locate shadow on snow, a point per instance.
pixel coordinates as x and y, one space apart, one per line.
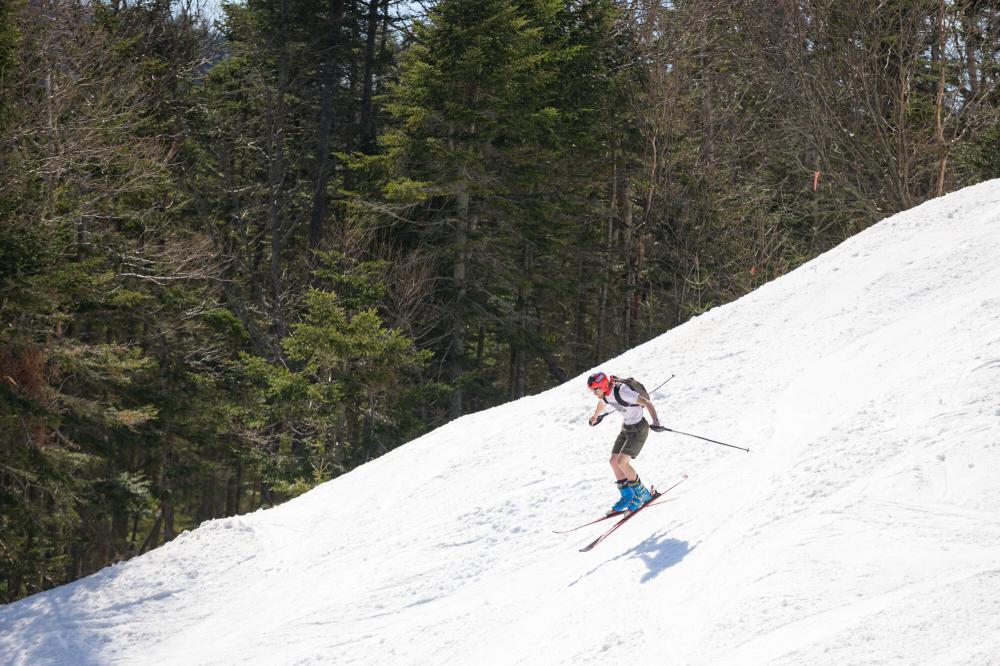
657 552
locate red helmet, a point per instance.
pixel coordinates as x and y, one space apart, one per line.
601 381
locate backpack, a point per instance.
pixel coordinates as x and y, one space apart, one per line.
633 384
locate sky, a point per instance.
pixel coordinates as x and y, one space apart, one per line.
212 9
862 528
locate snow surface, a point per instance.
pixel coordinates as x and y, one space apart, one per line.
863 528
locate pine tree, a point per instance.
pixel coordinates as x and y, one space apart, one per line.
495 153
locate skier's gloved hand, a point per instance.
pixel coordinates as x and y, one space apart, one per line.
656 427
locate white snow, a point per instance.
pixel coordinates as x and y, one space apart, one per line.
863 528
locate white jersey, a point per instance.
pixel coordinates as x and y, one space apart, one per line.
631 414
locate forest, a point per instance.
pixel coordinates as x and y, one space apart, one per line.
247 248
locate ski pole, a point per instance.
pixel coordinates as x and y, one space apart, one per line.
666 429
661 385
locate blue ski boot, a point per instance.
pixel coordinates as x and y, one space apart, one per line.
640 495
625 501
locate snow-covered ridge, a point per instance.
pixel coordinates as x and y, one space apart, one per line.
863 528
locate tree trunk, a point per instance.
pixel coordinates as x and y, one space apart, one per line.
276 177
367 140
153 538
605 277
168 521
520 333
480 346
629 242
579 316
456 352
206 508
942 145
232 493
329 76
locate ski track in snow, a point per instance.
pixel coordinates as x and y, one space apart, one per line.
864 527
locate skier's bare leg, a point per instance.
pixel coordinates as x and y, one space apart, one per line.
621 464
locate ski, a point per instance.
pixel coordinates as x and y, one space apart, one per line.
629 515
616 514
606 516
614 527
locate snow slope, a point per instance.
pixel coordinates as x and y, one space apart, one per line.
864 527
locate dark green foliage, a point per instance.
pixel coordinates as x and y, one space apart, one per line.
981 158
504 113
9 42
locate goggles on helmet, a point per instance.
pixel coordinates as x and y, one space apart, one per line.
599 380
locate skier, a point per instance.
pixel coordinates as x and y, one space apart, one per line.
623 398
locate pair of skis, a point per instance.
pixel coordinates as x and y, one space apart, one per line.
626 516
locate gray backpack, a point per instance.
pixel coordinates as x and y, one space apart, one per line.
633 384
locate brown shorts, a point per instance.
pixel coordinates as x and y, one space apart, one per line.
631 438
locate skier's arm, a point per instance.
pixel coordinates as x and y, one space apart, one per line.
597 412
652 410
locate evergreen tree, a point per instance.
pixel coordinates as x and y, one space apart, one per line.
85 175
498 111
